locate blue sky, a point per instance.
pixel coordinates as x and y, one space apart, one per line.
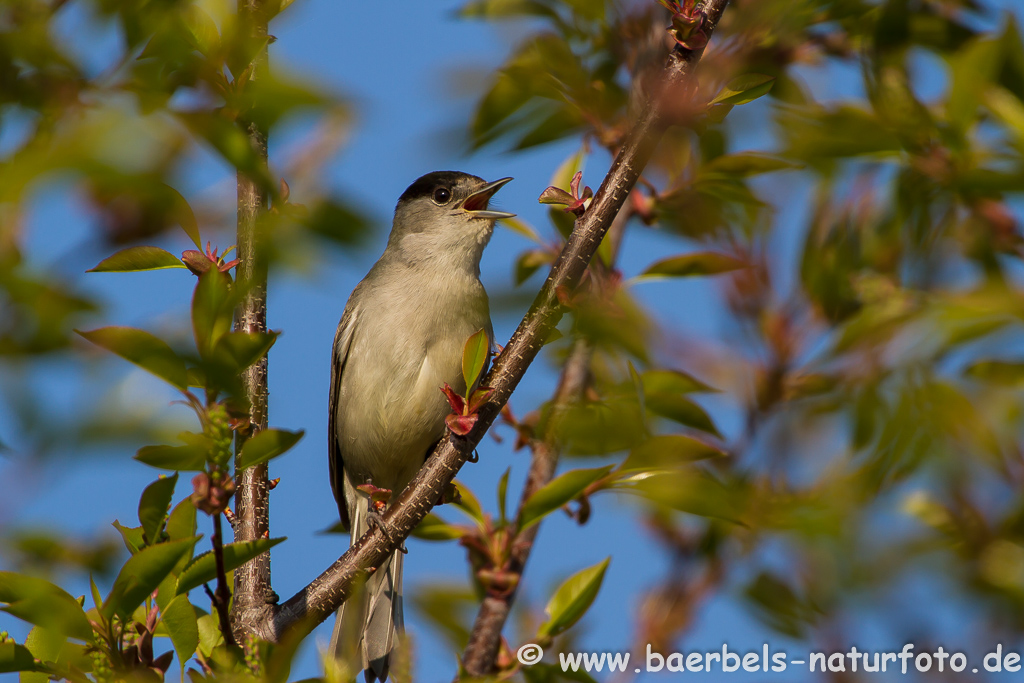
409 69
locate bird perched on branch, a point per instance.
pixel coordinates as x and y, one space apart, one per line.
399 341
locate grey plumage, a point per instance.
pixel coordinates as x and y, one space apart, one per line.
399 340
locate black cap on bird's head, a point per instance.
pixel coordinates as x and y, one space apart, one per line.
457 190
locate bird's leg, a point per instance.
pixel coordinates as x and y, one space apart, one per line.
376 503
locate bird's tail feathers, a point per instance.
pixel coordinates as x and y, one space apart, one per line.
368 625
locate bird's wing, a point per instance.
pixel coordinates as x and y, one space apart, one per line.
339 357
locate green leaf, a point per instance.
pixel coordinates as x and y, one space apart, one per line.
682 410
45 645
521 227
747 164
699 263
972 71
181 523
1006 373
14 657
143 349
558 492
212 310
236 351
529 262
230 141
132 537
204 567
179 618
474 357
137 258
210 637
672 381
572 599
267 444
503 495
695 491
186 458
668 450
41 603
154 505
142 574
469 503
744 89
202 30
433 528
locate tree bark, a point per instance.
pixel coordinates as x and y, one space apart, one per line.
252 509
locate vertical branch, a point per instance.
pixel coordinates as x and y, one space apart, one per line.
485 639
252 510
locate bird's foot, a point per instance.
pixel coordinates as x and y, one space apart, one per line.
376 503
375 520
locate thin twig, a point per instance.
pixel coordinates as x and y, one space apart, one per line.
314 603
223 595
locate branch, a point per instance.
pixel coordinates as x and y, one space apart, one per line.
485 638
252 505
327 592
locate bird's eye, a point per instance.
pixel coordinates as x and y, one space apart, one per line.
442 195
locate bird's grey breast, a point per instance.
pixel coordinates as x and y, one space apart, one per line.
408 340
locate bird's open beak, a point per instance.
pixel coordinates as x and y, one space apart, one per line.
476 203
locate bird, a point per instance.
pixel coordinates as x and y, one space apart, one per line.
400 339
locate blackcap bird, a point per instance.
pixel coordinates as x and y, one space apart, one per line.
399 341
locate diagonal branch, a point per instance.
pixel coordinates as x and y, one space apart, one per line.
314 603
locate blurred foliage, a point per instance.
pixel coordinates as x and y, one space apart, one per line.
874 370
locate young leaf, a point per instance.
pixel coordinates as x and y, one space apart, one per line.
154 505
474 357
469 503
460 424
179 618
572 599
503 495
268 444
132 537
41 603
212 310
204 567
142 574
185 458
135 259
700 263
558 492
142 348
433 528
744 89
